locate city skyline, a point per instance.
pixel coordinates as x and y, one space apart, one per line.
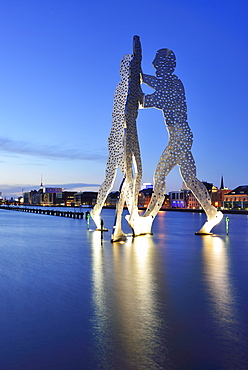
60 67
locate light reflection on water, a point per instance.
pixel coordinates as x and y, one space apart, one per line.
167 300
223 299
171 300
127 316
216 268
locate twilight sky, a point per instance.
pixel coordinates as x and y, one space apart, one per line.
59 67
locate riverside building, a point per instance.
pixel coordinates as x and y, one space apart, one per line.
237 198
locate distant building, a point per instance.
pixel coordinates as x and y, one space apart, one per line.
52 190
144 197
26 197
178 199
166 203
192 202
47 199
48 196
218 197
112 199
65 198
146 185
85 198
237 198
32 197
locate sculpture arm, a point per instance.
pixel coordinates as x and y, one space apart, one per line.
137 51
136 73
149 80
148 101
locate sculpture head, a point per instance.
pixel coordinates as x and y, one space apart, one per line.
164 62
124 66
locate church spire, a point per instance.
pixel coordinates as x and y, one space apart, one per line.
222 183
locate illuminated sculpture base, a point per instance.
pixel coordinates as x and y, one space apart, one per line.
209 224
141 225
117 236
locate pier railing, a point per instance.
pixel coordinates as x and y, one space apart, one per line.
45 211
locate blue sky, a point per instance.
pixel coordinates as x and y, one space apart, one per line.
59 67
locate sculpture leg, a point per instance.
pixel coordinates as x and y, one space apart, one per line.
134 219
129 191
143 224
188 173
166 163
140 225
103 192
118 234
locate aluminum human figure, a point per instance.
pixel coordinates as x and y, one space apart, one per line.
123 142
115 140
135 99
169 96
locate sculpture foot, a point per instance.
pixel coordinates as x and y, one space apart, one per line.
207 227
118 235
96 218
140 225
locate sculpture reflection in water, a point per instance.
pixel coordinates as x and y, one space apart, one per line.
128 311
223 297
217 274
169 97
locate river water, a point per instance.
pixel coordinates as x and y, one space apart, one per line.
173 300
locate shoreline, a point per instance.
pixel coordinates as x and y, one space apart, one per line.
224 211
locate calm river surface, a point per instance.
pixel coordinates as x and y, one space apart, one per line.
171 301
